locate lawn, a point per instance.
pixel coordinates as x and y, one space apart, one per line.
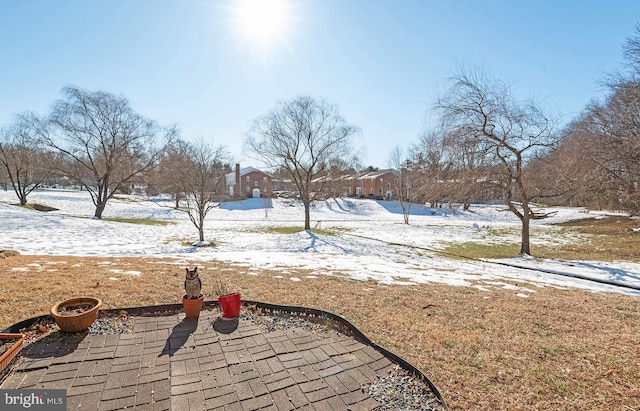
561 349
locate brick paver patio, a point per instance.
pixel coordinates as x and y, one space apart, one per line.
210 363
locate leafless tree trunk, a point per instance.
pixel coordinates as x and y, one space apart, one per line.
106 141
477 107
305 137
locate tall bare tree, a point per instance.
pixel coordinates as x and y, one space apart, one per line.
610 135
400 160
454 166
598 159
604 142
568 171
174 169
203 176
433 167
25 162
106 141
305 137
479 107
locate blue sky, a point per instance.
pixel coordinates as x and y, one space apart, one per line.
189 62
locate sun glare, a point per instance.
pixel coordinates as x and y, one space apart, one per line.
263 22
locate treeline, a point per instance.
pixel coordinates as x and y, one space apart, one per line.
489 146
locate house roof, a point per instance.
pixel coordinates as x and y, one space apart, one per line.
375 174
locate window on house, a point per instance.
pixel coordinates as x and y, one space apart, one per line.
248 178
388 185
264 189
255 183
264 179
382 181
247 189
380 191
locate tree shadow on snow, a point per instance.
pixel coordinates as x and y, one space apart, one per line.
416 209
615 275
247 204
311 248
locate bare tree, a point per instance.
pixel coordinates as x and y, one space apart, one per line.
203 177
305 137
25 162
4 179
106 141
400 160
453 166
173 170
433 167
631 52
598 159
609 137
470 166
616 121
477 107
569 172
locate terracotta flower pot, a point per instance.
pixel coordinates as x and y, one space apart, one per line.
192 307
230 305
76 322
16 341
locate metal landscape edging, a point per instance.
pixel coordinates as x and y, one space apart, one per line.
313 312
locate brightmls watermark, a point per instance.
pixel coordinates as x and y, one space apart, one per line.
49 400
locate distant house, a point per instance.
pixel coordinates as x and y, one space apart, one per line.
343 185
249 182
383 184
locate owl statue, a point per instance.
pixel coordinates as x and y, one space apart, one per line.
193 284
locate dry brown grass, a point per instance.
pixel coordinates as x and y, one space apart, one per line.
556 350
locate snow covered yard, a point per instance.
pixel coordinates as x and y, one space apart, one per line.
368 240
489 335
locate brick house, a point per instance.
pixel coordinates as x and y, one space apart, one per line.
336 186
383 184
249 182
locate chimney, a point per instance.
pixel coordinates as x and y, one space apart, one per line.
238 192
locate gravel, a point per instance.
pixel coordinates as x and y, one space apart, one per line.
122 324
281 320
401 391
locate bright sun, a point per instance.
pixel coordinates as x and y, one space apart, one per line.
262 22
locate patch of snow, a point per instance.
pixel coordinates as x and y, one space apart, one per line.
370 241
131 272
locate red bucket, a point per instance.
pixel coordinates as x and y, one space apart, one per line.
230 304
